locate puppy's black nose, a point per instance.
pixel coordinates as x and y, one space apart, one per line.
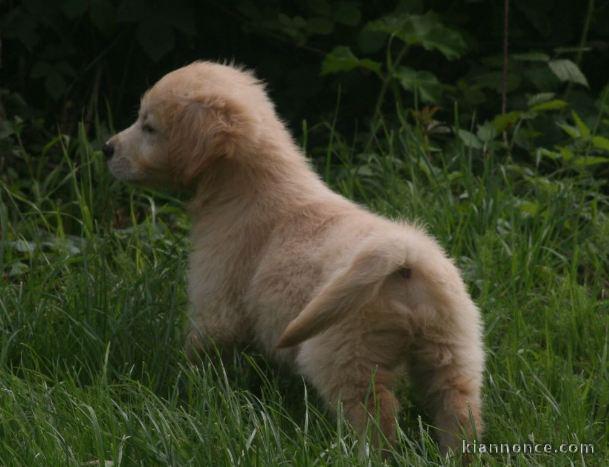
108 150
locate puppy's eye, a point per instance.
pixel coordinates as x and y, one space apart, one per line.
148 129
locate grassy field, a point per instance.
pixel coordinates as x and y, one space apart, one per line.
92 302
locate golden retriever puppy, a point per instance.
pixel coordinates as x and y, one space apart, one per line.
350 300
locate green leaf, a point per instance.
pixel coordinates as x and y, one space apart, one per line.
343 59
567 153
181 16
155 38
424 30
531 57
504 121
370 65
456 175
18 268
600 142
554 104
529 208
23 246
73 8
320 25
584 131
448 42
320 7
469 139
539 98
41 69
133 11
364 170
339 59
571 50
347 13
570 130
55 85
370 41
103 16
586 161
421 83
54 80
541 77
298 22
566 70
486 132
20 24
6 129
494 80
543 152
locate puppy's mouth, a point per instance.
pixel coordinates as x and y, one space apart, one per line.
121 169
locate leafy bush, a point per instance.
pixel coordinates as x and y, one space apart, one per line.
76 60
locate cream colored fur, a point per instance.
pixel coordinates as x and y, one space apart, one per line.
340 294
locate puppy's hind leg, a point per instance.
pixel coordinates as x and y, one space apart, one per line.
426 297
364 389
446 368
379 405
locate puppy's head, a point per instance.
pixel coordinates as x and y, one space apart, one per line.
189 120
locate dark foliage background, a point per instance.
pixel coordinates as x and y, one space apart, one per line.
73 60
69 56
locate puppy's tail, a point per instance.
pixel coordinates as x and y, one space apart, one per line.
412 253
347 292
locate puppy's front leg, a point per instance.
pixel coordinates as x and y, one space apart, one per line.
210 333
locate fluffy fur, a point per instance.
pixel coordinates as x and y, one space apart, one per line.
340 294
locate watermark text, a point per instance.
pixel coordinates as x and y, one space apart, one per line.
526 448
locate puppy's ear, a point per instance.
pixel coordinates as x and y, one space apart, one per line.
204 129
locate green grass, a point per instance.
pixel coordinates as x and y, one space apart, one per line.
92 302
